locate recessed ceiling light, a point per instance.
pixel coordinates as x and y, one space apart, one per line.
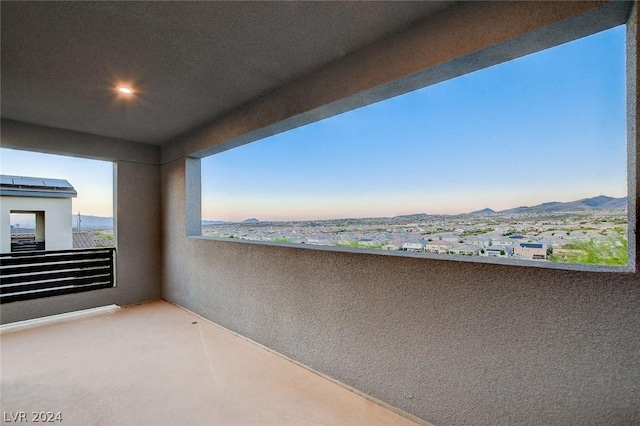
125 90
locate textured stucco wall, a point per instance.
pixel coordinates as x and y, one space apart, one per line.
451 342
137 227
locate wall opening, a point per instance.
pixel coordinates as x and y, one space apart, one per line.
66 201
525 161
27 231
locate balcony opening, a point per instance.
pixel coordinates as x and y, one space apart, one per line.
74 197
46 249
525 161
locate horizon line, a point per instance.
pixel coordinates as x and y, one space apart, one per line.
415 214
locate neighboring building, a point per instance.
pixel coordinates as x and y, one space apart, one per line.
83 239
390 247
413 245
480 241
496 251
502 241
536 251
49 200
451 238
465 249
438 246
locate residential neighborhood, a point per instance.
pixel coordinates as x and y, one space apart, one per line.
557 236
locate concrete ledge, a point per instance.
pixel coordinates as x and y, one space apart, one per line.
443 257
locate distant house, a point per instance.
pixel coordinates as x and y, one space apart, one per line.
390 247
535 251
502 241
465 249
451 238
438 246
480 241
413 245
83 239
49 200
497 251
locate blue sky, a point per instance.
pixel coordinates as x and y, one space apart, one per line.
546 127
92 179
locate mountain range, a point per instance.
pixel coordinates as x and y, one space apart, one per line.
92 222
595 203
216 222
600 202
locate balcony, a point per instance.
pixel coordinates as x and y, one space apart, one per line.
447 341
158 364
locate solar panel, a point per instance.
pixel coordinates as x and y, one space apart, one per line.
33 181
33 186
57 183
27 181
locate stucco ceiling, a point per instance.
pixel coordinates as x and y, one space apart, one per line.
189 62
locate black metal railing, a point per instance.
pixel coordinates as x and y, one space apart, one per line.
36 274
25 242
27 246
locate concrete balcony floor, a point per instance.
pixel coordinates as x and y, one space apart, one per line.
151 365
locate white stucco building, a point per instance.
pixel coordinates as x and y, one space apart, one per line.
48 199
535 251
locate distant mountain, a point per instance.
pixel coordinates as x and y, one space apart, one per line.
604 202
544 207
215 222
417 216
483 211
594 203
252 220
92 222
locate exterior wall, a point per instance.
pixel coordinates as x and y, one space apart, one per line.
413 246
57 220
451 342
137 223
501 242
530 252
438 247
